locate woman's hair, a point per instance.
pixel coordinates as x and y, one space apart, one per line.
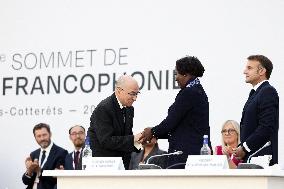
190 65
236 126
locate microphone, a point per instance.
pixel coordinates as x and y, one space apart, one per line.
169 154
249 165
264 146
153 166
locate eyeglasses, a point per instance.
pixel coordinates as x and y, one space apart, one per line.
133 94
229 131
79 133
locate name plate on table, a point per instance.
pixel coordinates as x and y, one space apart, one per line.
209 162
105 163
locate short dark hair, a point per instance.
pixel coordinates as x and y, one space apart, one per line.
190 65
264 62
76 126
40 126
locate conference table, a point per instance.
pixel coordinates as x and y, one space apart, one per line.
169 179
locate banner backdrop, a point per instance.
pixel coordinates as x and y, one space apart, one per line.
60 58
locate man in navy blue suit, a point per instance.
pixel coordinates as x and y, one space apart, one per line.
260 117
73 160
48 157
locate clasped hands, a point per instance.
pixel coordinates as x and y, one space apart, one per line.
238 152
31 166
144 137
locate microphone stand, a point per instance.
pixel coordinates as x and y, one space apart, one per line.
249 165
264 146
153 166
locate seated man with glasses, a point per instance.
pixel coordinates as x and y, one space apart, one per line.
230 140
73 160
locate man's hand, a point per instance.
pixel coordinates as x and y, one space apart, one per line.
28 162
146 136
61 167
137 137
32 166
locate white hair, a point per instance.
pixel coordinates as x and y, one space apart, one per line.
124 79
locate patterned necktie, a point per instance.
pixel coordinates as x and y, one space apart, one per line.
76 160
42 157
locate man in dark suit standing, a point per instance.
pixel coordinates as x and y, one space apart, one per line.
48 157
73 160
260 117
111 123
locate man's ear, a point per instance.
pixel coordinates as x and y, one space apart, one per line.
262 71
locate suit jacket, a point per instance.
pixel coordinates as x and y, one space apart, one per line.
260 122
69 159
55 159
137 157
109 135
186 123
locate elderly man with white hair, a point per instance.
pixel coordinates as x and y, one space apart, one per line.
111 123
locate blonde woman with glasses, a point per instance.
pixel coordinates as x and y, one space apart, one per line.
230 140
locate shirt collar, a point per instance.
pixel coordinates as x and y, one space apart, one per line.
120 105
257 85
47 150
80 150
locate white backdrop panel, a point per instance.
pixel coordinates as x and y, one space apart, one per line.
77 39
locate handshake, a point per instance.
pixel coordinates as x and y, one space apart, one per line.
144 137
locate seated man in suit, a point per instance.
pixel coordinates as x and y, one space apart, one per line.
150 149
48 157
73 160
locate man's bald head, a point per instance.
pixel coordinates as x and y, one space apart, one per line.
125 81
126 90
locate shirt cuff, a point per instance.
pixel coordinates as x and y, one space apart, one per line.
246 147
26 174
137 145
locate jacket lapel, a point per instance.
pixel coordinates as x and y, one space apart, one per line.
50 156
80 160
118 114
36 154
128 118
252 97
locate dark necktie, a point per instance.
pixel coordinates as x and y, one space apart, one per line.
76 160
123 110
251 92
42 157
